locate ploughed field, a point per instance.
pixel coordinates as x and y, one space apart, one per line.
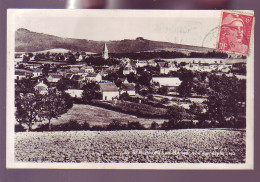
131 146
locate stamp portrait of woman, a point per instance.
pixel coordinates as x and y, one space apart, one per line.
232 37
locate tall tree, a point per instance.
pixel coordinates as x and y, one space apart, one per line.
53 105
175 115
226 101
90 91
28 109
185 89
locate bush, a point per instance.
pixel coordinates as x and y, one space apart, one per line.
72 125
135 125
124 96
173 124
168 125
150 97
116 125
19 128
97 128
42 127
165 101
154 126
204 124
85 126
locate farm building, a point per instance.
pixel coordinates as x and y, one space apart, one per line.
171 82
109 91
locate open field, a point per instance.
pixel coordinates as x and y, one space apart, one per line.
147 146
99 116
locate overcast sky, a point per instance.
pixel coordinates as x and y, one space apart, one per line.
171 26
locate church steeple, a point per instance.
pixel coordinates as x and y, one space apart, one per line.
105 52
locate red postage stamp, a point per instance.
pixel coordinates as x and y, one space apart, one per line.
235 33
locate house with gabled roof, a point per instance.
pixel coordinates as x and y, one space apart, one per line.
94 77
162 64
109 91
89 69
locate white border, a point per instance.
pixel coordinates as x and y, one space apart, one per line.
10 163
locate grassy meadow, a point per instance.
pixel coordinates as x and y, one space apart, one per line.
99 116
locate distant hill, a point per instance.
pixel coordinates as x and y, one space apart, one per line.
27 41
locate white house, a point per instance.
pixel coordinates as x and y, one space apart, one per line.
94 77
74 70
89 69
54 78
141 63
172 82
152 63
75 93
41 87
109 91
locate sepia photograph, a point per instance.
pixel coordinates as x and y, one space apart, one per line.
130 89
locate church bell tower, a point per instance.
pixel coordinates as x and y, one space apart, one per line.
105 52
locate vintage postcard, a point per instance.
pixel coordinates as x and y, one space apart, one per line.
130 89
